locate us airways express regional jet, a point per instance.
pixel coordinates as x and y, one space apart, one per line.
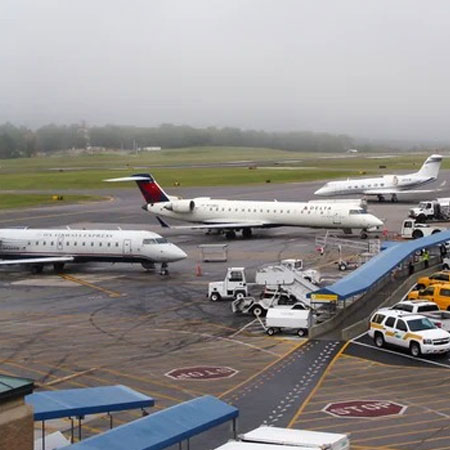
388 184
243 215
51 246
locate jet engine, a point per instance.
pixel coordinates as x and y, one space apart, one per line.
181 206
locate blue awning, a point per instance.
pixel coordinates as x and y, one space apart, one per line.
80 402
163 428
382 264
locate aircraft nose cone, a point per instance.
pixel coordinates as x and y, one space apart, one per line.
321 191
175 253
376 222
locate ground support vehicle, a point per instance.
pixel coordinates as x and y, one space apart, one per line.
437 293
279 298
308 440
414 332
425 308
438 209
435 278
233 286
288 319
413 230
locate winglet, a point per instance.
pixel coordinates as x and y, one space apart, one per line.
162 222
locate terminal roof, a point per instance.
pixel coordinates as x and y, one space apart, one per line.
379 266
163 428
80 402
13 387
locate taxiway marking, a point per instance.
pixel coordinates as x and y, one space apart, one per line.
113 294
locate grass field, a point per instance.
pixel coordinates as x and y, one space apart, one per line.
8 201
84 171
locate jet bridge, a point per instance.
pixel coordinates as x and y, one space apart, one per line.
377 268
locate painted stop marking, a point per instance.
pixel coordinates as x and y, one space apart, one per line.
201 373
364 408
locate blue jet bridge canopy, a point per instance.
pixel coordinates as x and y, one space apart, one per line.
382 264
163 428
80 402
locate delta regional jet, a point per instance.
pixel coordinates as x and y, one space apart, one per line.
387 184
243 215
52 246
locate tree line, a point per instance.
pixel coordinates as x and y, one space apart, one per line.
22 141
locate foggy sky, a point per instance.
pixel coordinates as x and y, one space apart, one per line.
374 68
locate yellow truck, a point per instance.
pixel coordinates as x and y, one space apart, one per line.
438 293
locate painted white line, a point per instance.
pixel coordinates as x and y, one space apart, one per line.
402 355
243 328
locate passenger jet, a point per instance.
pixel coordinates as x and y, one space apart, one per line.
51 246
387 184
243 215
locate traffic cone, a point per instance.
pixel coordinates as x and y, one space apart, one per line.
198 270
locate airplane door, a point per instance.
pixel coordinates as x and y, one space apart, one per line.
60 242
126 246
337 219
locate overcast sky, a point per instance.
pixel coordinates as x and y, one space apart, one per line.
375 68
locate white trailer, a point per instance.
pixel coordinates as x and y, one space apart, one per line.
278 319
412 230
438 209
284 437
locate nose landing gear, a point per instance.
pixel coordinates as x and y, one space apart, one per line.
164 269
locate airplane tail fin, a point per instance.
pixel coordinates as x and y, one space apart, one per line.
150 189
430 167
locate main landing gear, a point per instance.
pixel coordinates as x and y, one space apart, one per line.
246 234
394 198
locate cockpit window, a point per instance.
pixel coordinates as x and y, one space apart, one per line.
154 241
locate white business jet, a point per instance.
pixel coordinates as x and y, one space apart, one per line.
387 184
243 215
38 247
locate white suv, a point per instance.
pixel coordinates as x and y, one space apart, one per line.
412 331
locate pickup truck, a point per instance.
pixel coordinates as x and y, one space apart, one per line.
437 293
425 308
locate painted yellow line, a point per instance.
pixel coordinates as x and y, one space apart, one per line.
316 387
292 350
157 383
426 432
90 285
70 377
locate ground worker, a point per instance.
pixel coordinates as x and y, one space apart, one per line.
426 258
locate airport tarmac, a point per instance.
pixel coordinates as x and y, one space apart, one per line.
109 324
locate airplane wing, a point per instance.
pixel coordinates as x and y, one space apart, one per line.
43 260
215 225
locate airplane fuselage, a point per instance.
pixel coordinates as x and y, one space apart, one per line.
88 245
364 185
318 214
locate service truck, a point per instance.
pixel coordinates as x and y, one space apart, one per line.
233 286
413 230
305 439
438 209
278 298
